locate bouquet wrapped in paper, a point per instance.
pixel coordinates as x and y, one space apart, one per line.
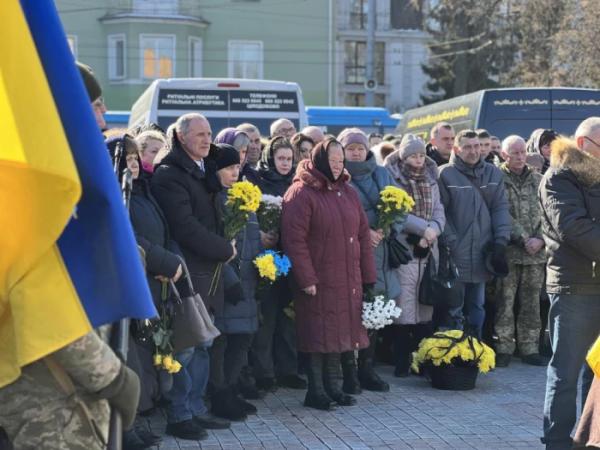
393 206
269 213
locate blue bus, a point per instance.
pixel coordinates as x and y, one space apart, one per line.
507 111
333 119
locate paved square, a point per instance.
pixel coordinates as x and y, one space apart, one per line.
503 412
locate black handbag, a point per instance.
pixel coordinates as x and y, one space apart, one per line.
437 286
398 253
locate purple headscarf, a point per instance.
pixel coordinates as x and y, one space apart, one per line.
227 136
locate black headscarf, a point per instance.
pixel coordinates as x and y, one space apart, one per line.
118 148
267 158
320 158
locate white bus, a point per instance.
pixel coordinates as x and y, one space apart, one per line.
226 102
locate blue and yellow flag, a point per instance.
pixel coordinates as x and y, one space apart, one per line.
60 274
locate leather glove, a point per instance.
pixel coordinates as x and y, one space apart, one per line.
499 262
234 294
123 394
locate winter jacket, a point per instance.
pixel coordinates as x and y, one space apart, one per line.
272 182
570 199
526 214
411 274
369 179
472 223
325 232
152 234
435 155
242 317
188 199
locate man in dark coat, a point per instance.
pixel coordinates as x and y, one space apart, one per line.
570 200
185 186
441 143
477 229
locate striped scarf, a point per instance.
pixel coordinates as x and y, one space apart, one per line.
420 190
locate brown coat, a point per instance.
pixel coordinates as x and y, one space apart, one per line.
325 233
588 430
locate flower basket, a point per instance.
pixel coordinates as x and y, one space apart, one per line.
450 377
453 359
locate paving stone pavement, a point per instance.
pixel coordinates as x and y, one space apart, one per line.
503 412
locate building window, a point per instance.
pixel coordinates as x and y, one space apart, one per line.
245 59
359 10
72 41
157 56
359 100
195 58
155 7
355 62
116 57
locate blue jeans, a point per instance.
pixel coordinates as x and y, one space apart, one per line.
189 385
574 322
473 295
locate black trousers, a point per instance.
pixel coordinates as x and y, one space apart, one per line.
228 354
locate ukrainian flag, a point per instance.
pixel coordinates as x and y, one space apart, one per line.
68 258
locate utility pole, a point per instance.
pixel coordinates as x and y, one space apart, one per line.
370 82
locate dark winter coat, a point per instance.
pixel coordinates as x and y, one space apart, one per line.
369 180
242 317
526 214
188 199
325 232
272 182
472 224
435 155
570 199
152 234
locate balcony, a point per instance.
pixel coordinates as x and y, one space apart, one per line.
188 11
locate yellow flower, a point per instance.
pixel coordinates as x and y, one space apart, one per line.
266 266
158 359
167 362
246 194
175 367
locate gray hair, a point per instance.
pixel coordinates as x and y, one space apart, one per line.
181 126
588 127
275 125
511 140
247 128
241 140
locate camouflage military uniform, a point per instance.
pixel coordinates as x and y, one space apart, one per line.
526 272
37 414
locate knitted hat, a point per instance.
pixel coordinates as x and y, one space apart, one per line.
353 136
411 145
91 83
224 155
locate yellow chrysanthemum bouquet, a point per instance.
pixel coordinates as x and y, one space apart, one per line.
393 206
243 198
453 358
162 331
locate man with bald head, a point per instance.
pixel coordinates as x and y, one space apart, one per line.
526 259
185 186
315 133
282 127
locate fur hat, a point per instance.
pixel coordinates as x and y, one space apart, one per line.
411 145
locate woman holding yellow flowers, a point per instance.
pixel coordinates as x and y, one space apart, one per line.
325 233
417 174
238 320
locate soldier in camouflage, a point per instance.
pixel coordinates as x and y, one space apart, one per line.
39 411
526 257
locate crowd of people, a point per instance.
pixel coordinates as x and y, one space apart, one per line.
515 219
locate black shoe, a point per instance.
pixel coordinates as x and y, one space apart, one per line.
245 406
401 372
225 406
319 401
292 381
210 422
351 385
250 392
369 380
534 359
266 384
503 359
149 438
332 380
188 430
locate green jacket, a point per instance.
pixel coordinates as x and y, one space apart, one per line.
526 213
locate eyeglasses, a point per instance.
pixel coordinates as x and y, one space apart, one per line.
592 141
